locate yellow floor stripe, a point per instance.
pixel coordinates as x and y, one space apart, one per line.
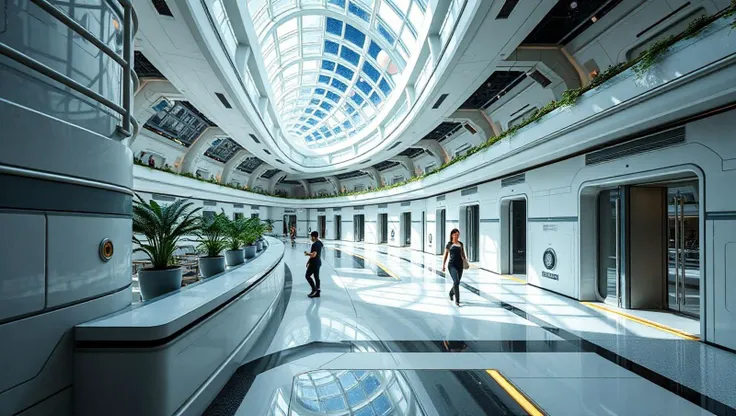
643 321
374 261
525 403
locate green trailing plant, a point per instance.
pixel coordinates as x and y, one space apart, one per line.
212 235
649 58
163 227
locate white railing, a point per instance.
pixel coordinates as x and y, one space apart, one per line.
130 80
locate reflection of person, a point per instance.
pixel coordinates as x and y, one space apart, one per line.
454 341
292 233
455 250
151 161
314 263
313 320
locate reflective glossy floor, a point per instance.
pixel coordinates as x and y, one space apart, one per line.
385 339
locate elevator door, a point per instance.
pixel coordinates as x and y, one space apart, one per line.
322 226
440 237
683 247
472 225
518 236
338 227
383 228
289 221
359 227
406 220
609 246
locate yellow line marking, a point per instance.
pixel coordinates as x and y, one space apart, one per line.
374 261
520 398
643 321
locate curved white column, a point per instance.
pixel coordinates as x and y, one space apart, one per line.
197 149
233 164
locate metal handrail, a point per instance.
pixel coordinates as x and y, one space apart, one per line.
130 26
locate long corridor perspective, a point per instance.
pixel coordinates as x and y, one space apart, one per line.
385 339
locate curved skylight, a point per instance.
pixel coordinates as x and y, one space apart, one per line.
322 57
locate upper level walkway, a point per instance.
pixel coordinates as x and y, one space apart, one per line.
384 338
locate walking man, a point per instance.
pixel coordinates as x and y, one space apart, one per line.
314 263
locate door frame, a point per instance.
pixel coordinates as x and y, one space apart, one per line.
440 230
506 233
588 220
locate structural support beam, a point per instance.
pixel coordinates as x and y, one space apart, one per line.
551 61
305 185
149 94
435 149
232 164
197 149
335 183
476 119
260 170
407 163
275 179
242 56
375 175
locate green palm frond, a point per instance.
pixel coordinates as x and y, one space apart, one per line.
162 227
212 235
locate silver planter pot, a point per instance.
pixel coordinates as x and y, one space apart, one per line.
210 266
155 283
250 251
234 257
259 245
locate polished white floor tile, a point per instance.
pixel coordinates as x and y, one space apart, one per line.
604 396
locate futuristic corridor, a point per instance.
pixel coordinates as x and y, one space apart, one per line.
367 207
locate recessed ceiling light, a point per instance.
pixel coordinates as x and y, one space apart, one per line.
594 19
573 5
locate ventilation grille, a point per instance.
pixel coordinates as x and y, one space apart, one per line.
382 205
507 8
359 208
406 204
441 198
469 191
255 139
254 207
289 211
238 206
159 197
365 161
513 180
162 8
267 152
336 209
223 100
320 210
209 203
280 161
439 102
644 144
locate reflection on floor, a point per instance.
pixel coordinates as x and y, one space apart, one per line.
385 324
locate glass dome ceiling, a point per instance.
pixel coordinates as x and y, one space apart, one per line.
330 62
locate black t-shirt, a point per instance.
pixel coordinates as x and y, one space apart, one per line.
456 255
316 248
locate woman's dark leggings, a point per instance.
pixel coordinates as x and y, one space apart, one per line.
313 270
456 274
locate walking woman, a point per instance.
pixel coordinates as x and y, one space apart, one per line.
457 263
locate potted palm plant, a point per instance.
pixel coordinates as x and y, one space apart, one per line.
235 254
212 240
260 230
250 236
162 227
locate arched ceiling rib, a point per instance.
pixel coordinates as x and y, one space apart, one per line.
322 57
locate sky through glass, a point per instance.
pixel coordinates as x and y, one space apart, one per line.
322 60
